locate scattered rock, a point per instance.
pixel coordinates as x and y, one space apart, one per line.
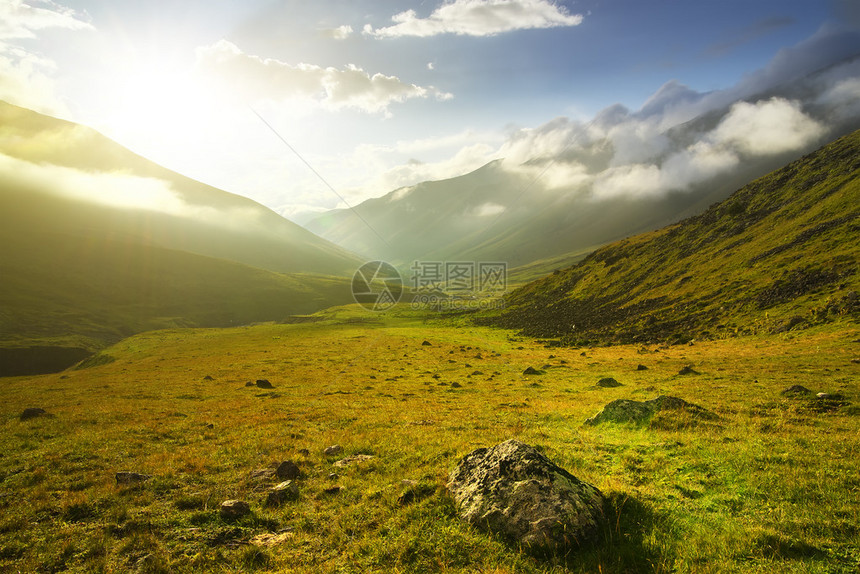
264 384
608 382
209 425
353 459
414 492
263 474
532 371
332 490
208 378
268 539
333 450
640 412
233 509
333 476
456 385
795 390
128 478
288 470
283 492
830 396
477 373
789 324
426 344
641 367
249 384
516 492
32 413
688 370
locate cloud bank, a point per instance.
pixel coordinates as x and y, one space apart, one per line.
331 88
478 18
681 139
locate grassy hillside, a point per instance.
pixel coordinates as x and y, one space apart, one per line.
769 486
63 167
780 253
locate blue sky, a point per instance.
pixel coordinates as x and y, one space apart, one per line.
373 94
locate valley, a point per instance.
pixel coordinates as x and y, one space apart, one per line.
770 484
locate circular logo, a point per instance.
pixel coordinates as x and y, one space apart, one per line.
377 286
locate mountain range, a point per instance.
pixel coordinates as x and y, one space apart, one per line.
567 187
779 254
100 243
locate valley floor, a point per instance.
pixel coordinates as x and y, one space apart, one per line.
772 485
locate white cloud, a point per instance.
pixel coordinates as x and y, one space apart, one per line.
19 20
768 127
339 33
479 18
331 88
115 190
489 209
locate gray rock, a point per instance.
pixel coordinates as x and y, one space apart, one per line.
233 509
128 478
288 470
283 492
333 450
608 382
353 459
639 412
32 413
516 492
795 390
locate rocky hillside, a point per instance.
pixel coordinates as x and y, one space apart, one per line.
779 254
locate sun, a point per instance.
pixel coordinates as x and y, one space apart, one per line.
158 107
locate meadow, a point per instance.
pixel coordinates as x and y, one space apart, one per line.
771 485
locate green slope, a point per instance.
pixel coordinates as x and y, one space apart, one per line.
188 215
780 253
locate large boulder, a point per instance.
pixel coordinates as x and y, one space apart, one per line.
640 412
514 491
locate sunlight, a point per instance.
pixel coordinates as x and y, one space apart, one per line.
158 106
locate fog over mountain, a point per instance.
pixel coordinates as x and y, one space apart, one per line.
568 185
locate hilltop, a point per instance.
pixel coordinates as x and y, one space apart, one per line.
780 253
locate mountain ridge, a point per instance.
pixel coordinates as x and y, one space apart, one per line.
778 254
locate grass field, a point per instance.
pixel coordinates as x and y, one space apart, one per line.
771 486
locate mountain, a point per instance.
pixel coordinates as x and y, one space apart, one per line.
567 186
781 253
99 243
54 166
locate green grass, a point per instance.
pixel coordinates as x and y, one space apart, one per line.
771 486
781 251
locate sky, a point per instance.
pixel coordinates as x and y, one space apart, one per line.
310 105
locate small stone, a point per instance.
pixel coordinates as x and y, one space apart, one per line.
127 478
332 490
641 368
283 492
288 470
268 539
456 385
353 459
426 344
264 384
333 476
830 396
532 371
232 509
210 426
304 452
32 413
333 450
608 382
249 384
688 370
208 378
